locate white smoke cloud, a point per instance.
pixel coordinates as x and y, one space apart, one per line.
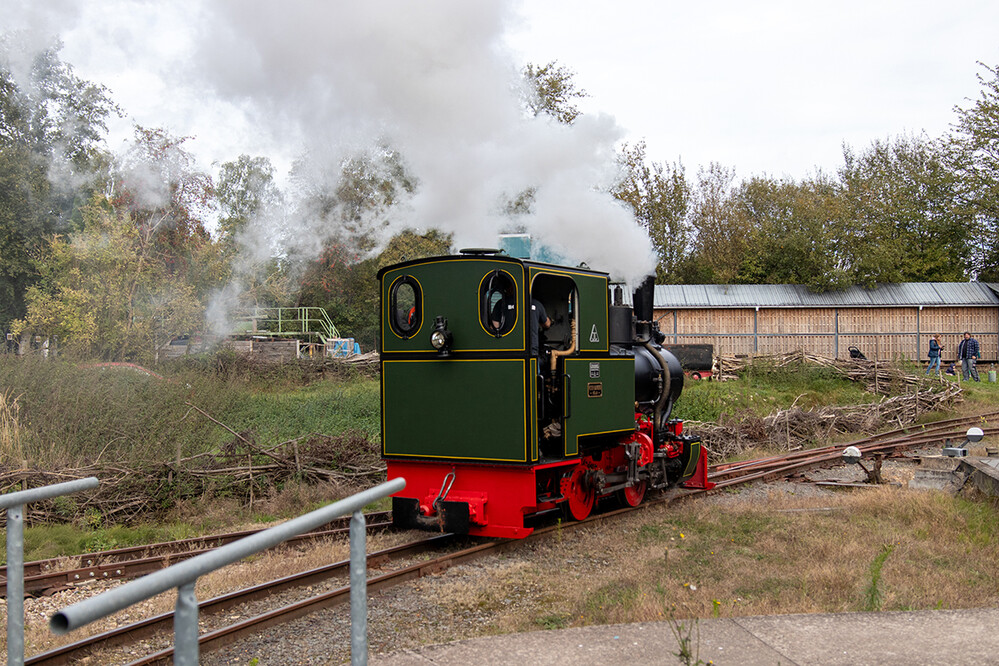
433 80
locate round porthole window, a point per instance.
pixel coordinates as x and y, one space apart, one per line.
498 296
405 307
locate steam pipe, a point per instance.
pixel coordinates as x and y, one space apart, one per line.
556 354
664 396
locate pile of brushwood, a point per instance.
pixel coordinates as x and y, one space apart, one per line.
241 469
903 396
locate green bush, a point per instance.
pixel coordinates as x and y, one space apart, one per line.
764 388
78 414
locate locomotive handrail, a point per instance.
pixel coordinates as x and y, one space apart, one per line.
567 400
184 576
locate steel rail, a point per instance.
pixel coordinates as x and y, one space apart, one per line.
142 629
825 456
893 435
777 463
219 638
136 561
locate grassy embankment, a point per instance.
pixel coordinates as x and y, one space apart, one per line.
59 414
56 415
880 549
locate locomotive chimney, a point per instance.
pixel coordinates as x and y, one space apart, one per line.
643 299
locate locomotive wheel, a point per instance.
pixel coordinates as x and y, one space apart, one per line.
633 495
580 499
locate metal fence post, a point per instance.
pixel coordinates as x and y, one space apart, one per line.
185 626
14 503
358 591
15 585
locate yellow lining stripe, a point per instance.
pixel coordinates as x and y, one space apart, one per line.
423 455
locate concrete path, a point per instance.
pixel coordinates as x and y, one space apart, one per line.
903 638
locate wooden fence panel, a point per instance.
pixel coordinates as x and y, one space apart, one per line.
804 321
698 322
889 333
820 345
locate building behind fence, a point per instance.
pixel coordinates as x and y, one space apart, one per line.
888 322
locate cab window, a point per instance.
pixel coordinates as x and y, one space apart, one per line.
498 296
405 307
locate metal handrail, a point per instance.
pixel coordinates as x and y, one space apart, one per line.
290 321
184 576
14 503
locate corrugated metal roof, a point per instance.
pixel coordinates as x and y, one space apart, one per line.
929 294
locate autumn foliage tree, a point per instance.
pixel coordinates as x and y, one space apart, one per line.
52 126
102 295
973 157
660 198
139 268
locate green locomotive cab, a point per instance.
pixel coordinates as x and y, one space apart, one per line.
499 381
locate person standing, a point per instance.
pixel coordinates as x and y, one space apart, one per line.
968 354
934 355
539 322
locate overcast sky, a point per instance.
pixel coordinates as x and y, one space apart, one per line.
769 86
766 87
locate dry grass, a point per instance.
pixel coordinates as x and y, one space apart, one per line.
264 567
11 446
875 550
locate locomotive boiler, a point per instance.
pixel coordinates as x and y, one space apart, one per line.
512 387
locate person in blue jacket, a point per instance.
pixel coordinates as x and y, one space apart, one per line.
935 350
968 354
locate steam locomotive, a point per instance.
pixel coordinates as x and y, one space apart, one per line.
492 419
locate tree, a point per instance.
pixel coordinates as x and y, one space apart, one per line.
409 245
973 155
793 232
52 126
245 189
346 210
344 283
103 297
660 197
168 198
551 90
905 224
350 202
721 236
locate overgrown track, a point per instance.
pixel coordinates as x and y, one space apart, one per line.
723 475
43 576
938 432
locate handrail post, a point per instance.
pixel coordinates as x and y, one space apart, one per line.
358 591
14 503
15 585
185 626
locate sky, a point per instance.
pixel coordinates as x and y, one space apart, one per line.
771 87
768 87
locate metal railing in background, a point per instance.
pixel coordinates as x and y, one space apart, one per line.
184 576
14 503
297 321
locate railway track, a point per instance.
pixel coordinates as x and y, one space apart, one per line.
888 442
394 566
46 576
